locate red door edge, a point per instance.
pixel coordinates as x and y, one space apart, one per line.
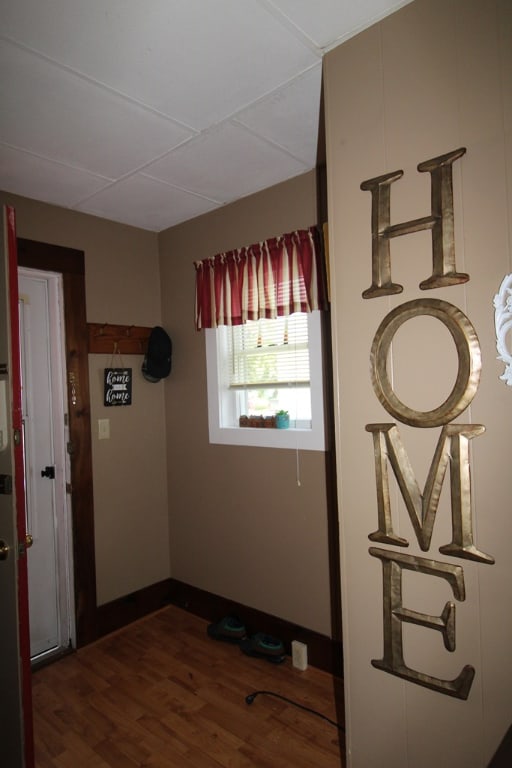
19 488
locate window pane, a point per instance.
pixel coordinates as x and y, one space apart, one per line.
266 402
265 352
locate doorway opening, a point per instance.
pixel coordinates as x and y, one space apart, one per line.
68 264
47 469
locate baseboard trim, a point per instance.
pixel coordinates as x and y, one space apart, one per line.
323 653
503 756
122 611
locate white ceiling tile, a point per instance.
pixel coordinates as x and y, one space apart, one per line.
175 56
66 118
217 97
290 116
49 181
330 22
146 203
225 163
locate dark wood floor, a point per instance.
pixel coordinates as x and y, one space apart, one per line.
160 693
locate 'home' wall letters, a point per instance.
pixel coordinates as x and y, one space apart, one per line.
453 445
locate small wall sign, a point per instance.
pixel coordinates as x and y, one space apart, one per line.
118 386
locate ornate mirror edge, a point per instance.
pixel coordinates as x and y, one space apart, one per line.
503 323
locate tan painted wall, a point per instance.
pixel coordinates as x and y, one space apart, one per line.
240 525
244 529
433 77
129 470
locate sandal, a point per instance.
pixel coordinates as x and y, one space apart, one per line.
229 629
264 647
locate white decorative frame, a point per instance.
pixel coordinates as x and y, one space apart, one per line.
503 323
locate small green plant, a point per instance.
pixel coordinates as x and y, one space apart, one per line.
282 413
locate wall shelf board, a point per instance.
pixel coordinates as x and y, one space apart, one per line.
130 339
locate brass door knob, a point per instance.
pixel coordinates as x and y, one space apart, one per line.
4 550
29 540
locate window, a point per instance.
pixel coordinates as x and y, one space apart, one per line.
260 368
257 365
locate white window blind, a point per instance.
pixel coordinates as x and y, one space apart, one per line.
265 353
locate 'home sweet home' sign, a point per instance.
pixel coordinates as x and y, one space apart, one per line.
117 386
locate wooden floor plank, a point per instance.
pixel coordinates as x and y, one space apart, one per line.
161 694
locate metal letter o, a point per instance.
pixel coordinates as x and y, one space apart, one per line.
468 374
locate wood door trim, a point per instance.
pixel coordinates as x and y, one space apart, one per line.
70 263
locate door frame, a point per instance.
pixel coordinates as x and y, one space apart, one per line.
70 263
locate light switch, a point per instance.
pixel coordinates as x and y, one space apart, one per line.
103 429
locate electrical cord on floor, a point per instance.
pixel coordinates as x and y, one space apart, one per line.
250 699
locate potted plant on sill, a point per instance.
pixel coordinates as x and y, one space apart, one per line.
282 419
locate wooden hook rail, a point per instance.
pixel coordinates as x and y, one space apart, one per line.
130 339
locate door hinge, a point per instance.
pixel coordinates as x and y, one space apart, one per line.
68 488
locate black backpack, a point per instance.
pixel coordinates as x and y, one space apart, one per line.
158 357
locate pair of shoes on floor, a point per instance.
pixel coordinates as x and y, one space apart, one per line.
230 629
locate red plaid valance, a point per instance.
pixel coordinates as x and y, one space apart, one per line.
269 279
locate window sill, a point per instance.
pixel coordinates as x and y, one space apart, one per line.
304 439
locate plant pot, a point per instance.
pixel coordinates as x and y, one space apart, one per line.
282 421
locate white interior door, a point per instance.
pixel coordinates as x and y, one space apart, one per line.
46 467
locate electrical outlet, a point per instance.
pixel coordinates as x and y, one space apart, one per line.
299 655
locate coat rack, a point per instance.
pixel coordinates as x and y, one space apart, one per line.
130 339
